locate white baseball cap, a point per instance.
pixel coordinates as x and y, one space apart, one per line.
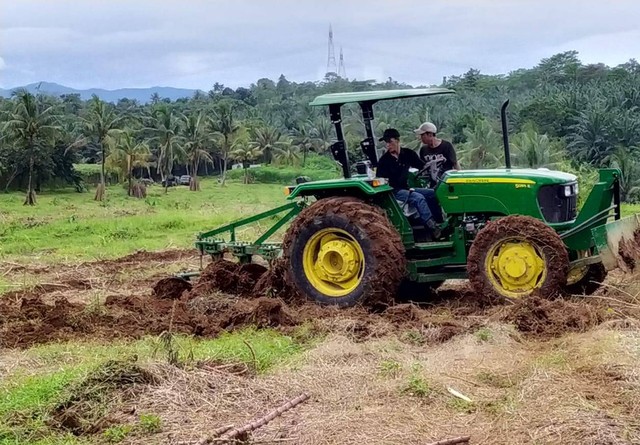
427 127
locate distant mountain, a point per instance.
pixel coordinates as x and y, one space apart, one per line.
143 95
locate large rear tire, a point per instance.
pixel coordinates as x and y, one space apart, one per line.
342 251
515 256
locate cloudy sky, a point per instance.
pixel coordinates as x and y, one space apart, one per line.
194 43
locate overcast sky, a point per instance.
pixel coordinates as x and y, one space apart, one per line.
193 43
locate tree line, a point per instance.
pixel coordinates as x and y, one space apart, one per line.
563 114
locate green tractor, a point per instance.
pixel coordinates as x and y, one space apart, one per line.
510 231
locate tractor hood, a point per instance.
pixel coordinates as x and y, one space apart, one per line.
508 176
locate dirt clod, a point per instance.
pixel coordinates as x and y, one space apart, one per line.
263 312
171 288
546 318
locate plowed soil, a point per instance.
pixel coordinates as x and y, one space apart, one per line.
229 296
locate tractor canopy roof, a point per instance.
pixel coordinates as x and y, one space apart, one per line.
375 96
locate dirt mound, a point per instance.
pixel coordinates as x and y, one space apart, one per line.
83 407
551 318
171 288
263 312
273 283
28 320
229 277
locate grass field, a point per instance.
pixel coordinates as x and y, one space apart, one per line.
69 226
89 356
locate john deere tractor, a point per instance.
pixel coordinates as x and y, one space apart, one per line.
510 231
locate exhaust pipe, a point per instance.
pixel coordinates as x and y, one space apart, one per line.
505 133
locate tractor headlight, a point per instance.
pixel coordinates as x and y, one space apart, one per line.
575 188
567 191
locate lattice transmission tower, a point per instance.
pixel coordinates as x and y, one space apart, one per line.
331 57
341 70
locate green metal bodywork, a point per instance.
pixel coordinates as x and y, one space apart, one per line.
352 186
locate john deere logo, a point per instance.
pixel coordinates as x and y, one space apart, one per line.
523 186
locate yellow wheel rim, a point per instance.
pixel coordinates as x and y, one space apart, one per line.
333 262
515 268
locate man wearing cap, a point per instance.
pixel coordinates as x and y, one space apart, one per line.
439 155
394 165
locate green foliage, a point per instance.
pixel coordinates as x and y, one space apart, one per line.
483 334
117 433
280 175
390 368
417 385
150 423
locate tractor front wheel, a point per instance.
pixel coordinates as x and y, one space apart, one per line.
515 256
342 251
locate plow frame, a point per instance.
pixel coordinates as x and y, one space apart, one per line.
211 243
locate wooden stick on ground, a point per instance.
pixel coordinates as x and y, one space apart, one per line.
216 433
266 419
456 440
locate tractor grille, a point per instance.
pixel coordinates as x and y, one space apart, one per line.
558 203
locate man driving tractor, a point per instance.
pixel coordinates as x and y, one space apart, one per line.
394 165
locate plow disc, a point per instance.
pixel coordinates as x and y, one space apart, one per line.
618 243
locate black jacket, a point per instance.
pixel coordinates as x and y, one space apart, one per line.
396 170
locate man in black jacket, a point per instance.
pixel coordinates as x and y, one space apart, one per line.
394 165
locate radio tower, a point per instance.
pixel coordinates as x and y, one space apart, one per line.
341 71
331 58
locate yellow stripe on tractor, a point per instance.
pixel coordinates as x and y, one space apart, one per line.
488 181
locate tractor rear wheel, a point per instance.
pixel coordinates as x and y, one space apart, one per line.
515 256
342 251
586 280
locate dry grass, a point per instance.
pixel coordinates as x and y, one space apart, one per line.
580 390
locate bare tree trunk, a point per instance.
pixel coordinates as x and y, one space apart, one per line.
224 170
11 178
100 191
194 186
31 193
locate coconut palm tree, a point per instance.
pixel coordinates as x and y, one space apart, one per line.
626 160
287 155
197 137
128 154
534 150
103 124
482 148
245 153
31 125
223 122
166 130
267 139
